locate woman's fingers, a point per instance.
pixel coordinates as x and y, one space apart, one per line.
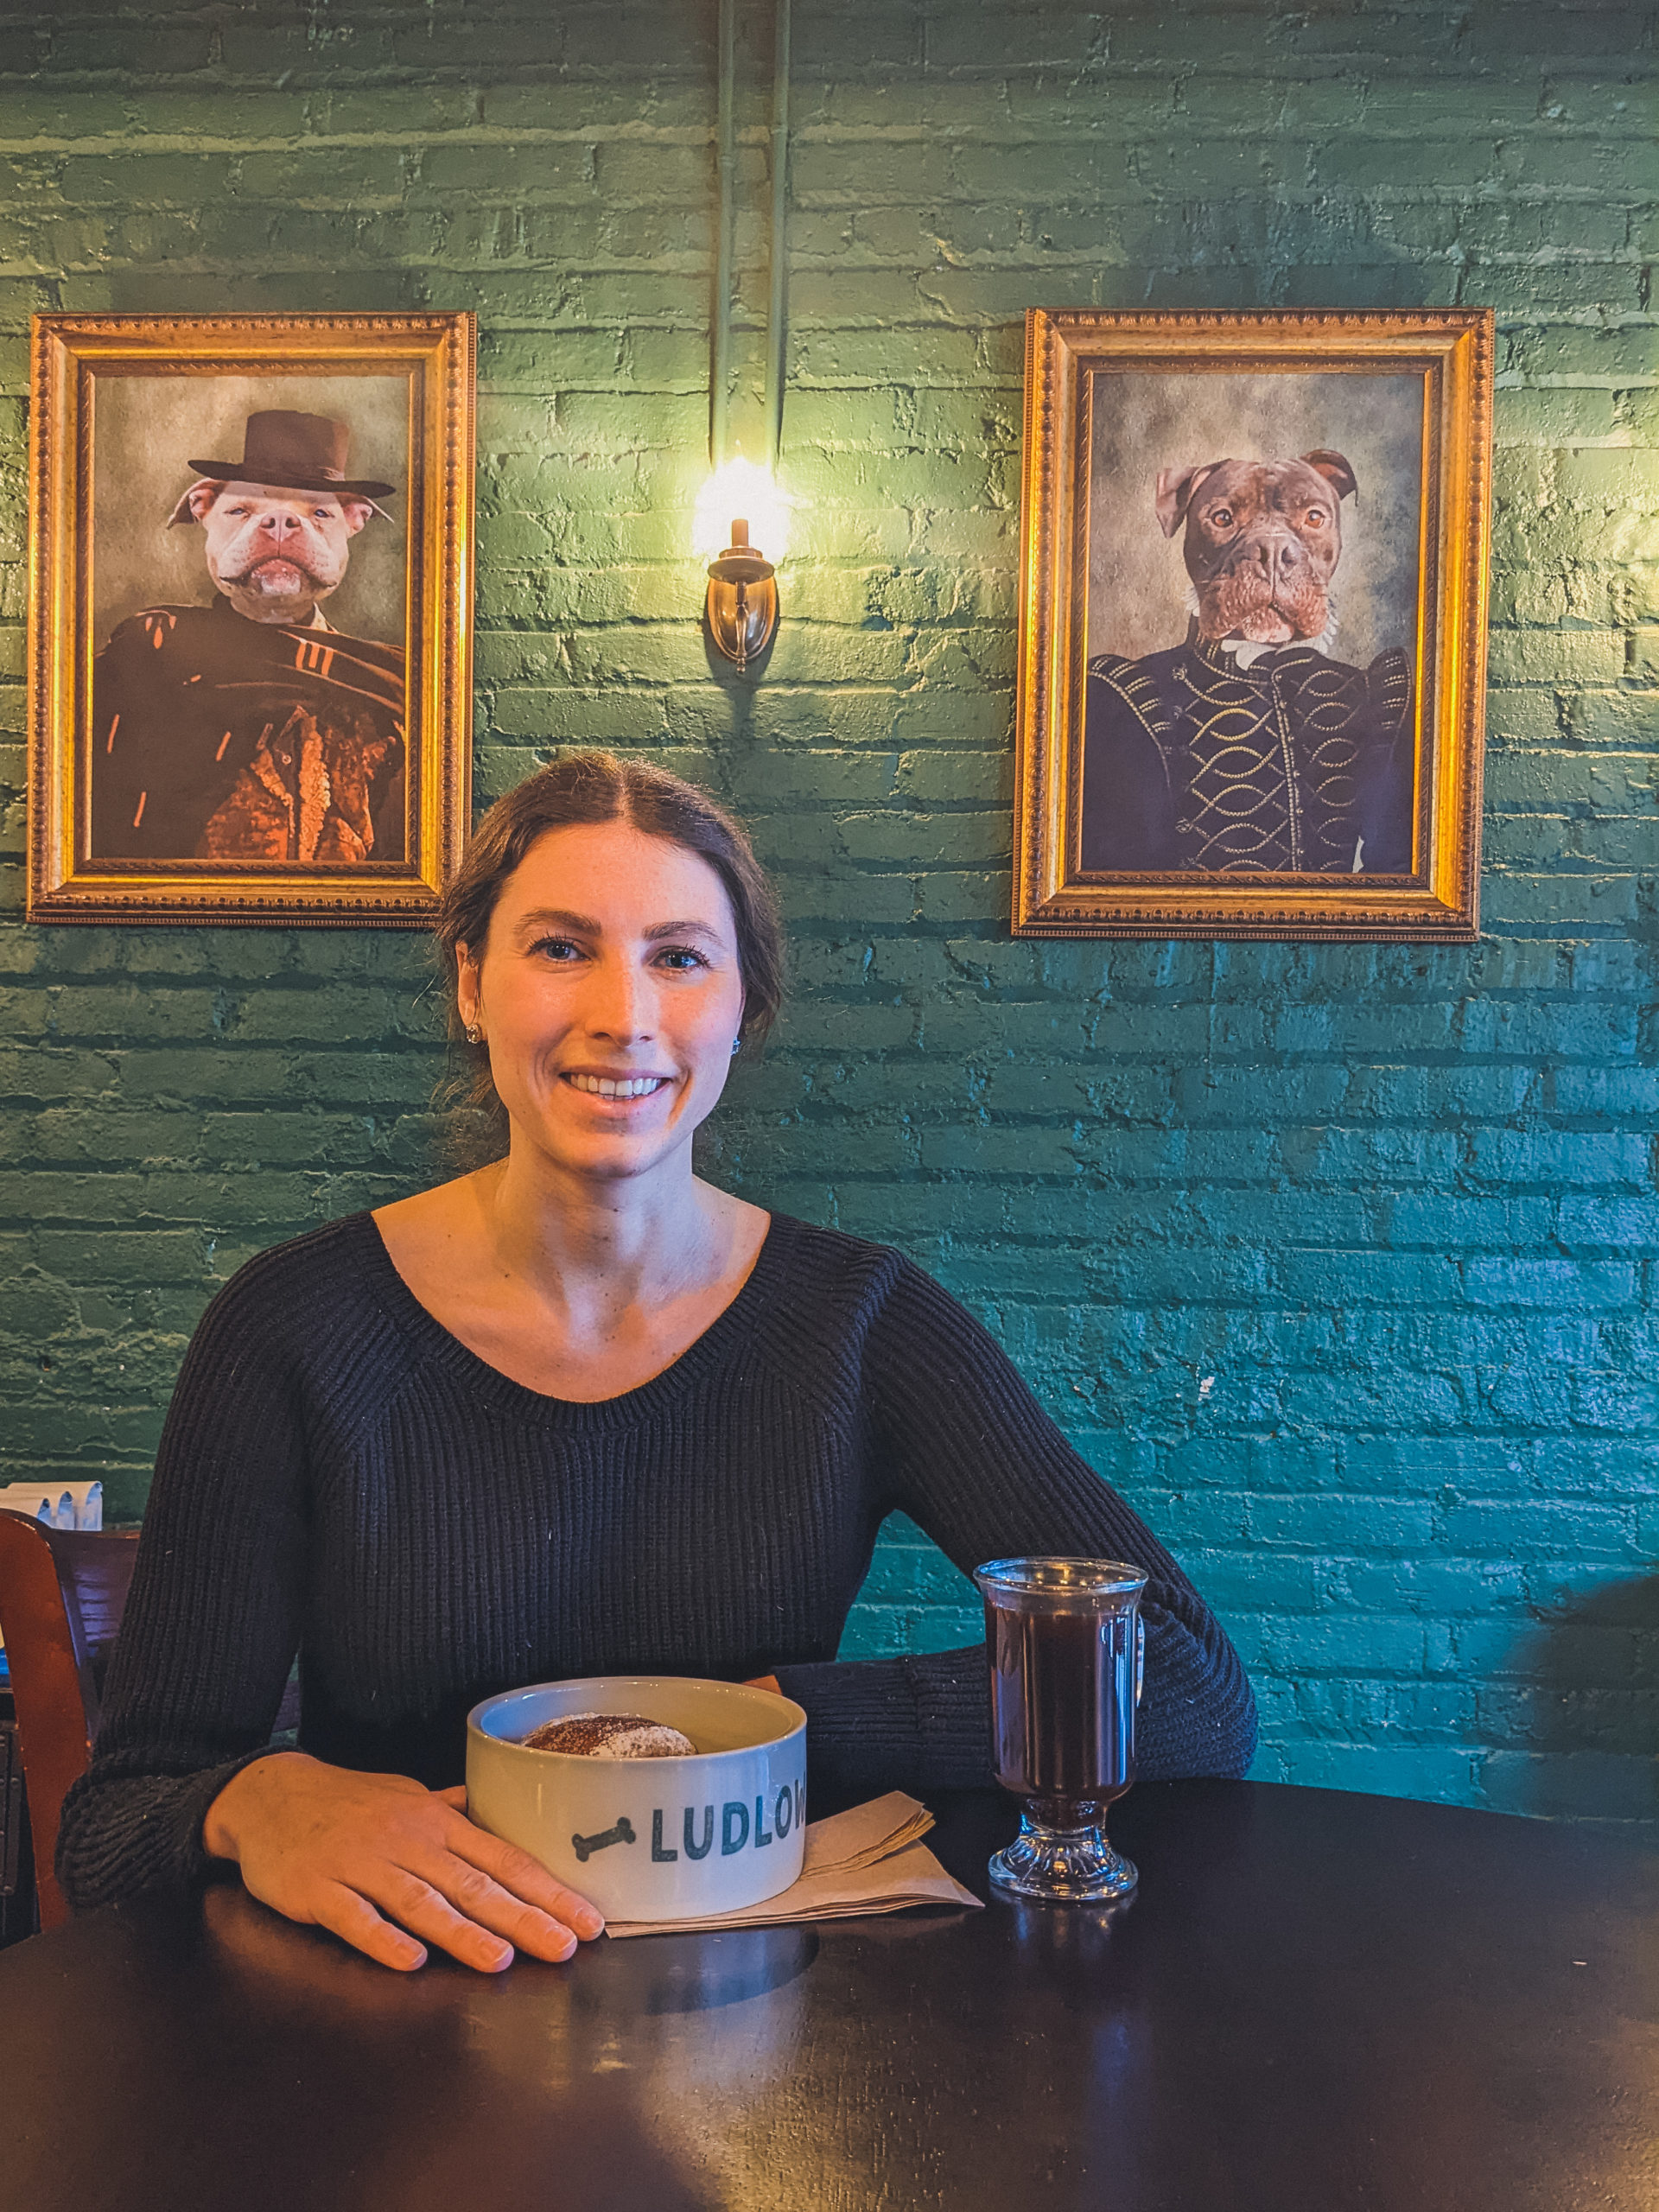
472 1891
423 1908
526 1878
491 1906
355 1921
391 1912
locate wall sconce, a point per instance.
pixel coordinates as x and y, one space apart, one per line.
740 529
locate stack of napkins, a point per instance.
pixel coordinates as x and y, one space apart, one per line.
871 1859
60 1505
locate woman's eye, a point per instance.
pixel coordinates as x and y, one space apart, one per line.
681 958
556 948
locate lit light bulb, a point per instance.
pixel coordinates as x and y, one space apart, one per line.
740 488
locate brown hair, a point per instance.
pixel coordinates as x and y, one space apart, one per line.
584 787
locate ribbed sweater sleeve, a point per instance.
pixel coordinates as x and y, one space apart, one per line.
967 1452
212 1620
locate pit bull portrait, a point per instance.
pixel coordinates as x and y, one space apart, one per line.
249 728
1248 748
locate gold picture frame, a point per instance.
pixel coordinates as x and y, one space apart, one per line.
323 467
1201 468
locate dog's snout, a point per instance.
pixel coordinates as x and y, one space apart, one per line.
1275 552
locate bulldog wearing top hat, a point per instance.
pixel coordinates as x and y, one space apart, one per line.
251 729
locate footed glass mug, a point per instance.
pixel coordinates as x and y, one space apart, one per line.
1067 1650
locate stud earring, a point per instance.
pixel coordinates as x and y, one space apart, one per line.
737 1046
474 1033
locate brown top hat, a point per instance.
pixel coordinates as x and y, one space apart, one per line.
305 452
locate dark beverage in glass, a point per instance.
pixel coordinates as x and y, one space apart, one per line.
1065 1641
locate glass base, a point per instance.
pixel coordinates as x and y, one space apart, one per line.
1062 1865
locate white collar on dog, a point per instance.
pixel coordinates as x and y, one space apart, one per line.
1245 650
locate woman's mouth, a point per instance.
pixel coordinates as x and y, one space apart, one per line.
630 1086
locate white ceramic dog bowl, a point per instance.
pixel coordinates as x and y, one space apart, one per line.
649 1838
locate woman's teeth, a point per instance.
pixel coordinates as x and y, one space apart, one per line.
602 1086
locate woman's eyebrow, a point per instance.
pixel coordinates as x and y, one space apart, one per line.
682 929
560 917
541 918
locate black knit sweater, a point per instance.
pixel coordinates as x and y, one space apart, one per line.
340 1476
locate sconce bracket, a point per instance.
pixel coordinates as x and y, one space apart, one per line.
742 604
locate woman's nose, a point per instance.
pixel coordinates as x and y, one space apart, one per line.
622 1004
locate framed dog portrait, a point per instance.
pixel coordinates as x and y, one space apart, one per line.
251 544
1253 625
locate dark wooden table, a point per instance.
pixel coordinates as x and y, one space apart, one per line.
1317 2000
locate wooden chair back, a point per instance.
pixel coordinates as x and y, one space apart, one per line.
63 1592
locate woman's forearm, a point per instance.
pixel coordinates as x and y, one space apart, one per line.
924 1722
120 1835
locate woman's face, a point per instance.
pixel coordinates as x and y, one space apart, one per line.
609 994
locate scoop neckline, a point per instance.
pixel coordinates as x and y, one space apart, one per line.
726 1333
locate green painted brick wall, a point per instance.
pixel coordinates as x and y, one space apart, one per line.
1340 1260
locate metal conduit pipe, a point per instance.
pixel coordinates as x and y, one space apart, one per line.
776 303
726 143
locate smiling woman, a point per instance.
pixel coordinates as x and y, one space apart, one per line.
577 1413
606 968
594 791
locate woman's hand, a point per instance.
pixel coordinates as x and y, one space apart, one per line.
372 1856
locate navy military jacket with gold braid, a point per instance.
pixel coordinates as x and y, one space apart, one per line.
216 738
1298 764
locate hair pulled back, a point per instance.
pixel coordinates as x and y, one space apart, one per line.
596 787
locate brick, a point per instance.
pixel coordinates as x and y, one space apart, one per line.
1558 1284
1441 1775
1342 1524
1560 1159
1440 1223
1625 1224
1374 1277
1517 1528
1555 656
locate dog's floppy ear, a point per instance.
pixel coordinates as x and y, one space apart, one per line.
1334 467
196 501
1175 489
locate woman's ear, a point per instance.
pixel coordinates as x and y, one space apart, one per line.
468 995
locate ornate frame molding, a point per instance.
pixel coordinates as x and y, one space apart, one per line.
69 353
1451 349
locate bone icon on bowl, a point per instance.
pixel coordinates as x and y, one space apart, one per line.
586 1846
610 1736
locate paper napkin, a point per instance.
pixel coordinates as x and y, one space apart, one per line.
871 1859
